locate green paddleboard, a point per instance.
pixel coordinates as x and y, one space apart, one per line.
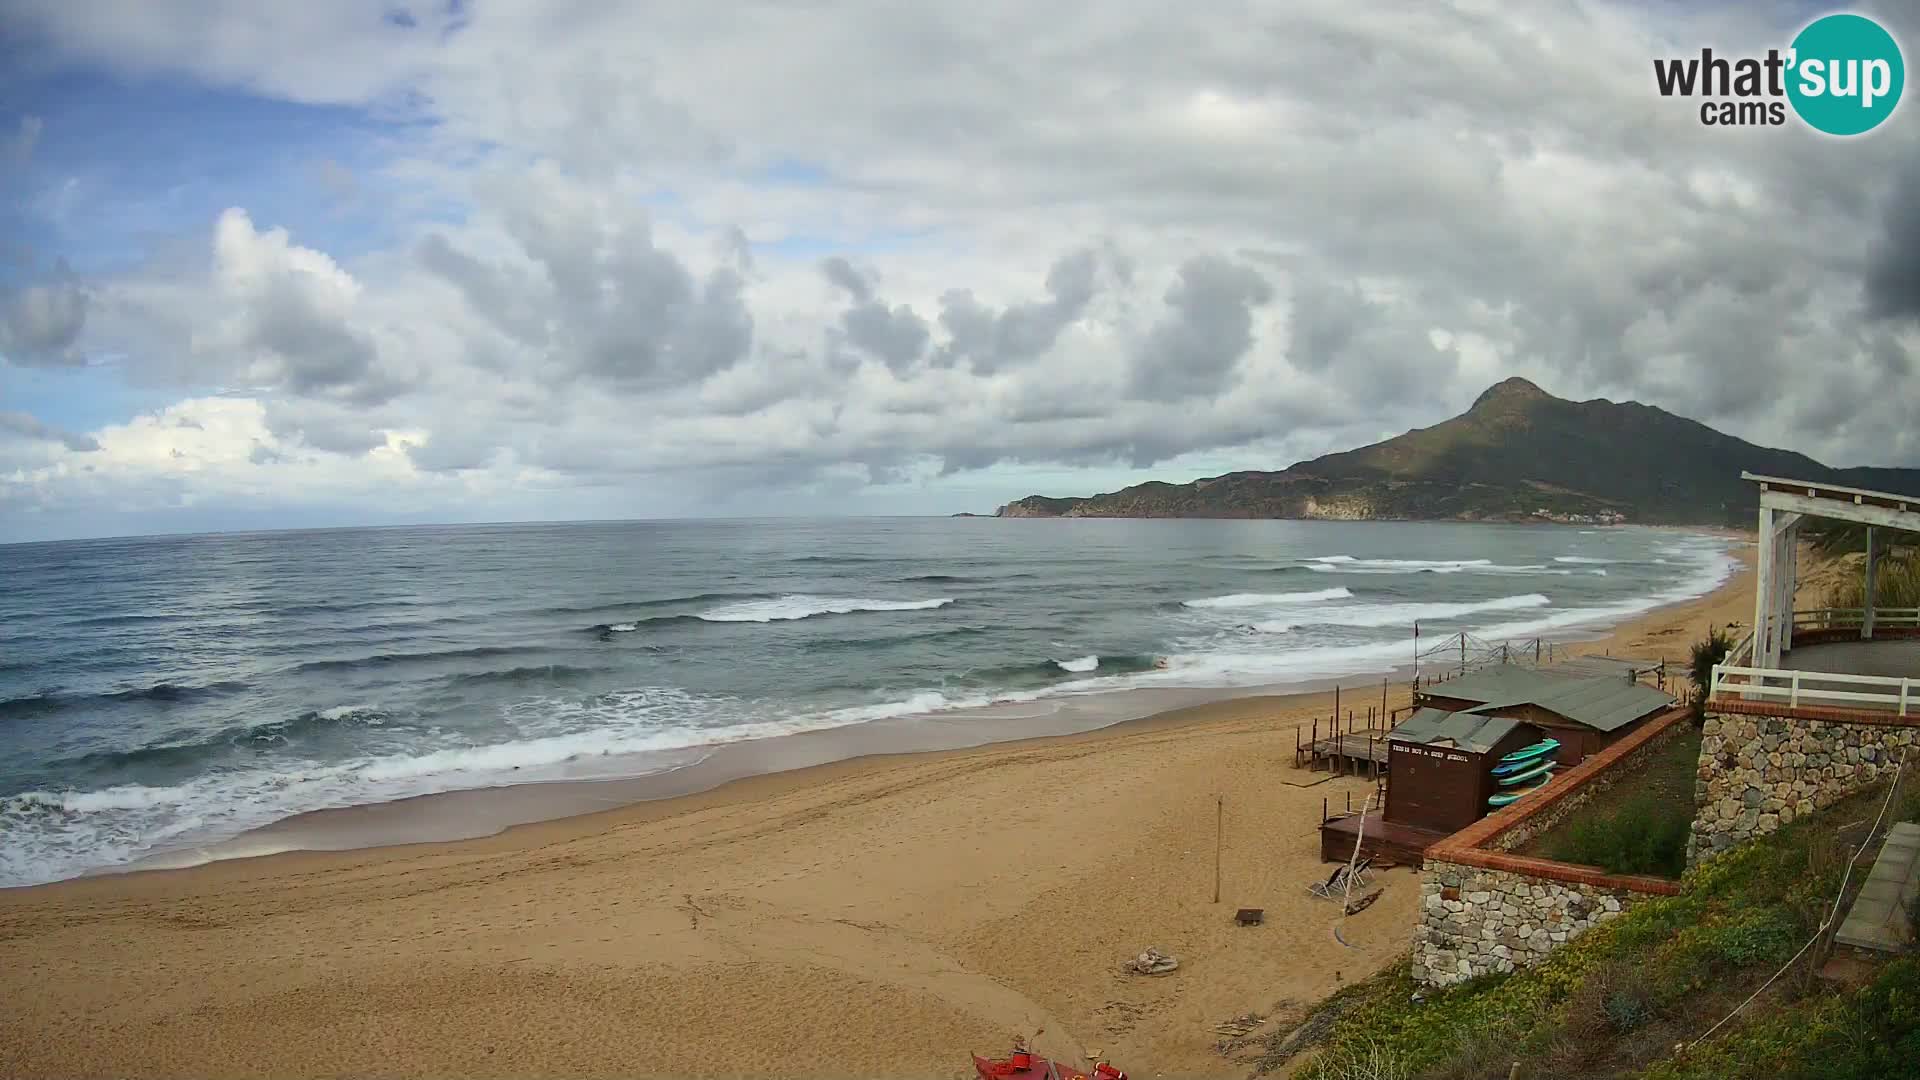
1541 769
1528 753
1508 797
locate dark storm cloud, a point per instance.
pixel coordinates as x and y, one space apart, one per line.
1192 351
619 306
1367 347
42 323
317 354
322 427
991 341
506 301
19 423
896 335
1893 270
842 275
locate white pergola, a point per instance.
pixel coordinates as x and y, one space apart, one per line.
1784 505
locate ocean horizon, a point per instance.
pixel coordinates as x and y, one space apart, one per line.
168 693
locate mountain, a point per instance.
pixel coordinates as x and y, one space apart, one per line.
1519 452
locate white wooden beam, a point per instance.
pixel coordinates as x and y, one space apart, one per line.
1770 483
1873 566
1841 511
1763 587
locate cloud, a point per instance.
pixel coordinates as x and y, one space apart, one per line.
991 341
289 319
42 324
19 423
1096 240
1893 270
1192 351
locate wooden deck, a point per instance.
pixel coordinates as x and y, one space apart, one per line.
1384 841
1358 753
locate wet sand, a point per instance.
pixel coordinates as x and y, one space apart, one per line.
878 916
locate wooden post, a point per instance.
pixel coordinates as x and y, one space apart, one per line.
1536 650
1219 825
1383 696
1463 652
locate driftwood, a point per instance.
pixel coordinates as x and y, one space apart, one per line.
1362 903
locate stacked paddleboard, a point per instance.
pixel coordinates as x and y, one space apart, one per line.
1524 772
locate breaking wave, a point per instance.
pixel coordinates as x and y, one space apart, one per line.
800 606
1247 600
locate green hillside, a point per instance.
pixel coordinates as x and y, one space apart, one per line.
1517 451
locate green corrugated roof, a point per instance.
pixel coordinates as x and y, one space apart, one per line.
1601 703
1468 731
1605 704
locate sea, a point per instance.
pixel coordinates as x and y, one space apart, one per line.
168 694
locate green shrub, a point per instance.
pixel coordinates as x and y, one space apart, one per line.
1765 937
1700 669
1646 836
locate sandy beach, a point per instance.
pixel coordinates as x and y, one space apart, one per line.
880 916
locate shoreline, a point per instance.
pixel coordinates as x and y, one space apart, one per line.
476 813
879 915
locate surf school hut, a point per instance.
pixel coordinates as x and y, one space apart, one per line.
1586 712
1439 778
1441 765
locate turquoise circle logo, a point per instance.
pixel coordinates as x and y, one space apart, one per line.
1847 74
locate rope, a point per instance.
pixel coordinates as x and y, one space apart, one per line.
1832 913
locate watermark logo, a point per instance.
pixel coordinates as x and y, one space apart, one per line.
1842 75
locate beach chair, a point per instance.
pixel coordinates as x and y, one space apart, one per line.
1336 883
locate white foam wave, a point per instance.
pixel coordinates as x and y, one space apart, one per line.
801 606
58 834
623 628
1376 615
1582 559
1246 600
1084 663
1599 571
1429 566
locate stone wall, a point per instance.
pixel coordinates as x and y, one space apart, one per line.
1478 921
1553 814
1759 771
1485 910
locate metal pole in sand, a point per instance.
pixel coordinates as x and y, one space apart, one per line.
1219 825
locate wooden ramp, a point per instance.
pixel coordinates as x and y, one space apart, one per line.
1879 920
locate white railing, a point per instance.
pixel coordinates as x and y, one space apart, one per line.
1854 618
1734 678
1797 688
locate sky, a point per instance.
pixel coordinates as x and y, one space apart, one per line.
277 265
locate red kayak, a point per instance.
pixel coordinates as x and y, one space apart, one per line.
1035 1067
